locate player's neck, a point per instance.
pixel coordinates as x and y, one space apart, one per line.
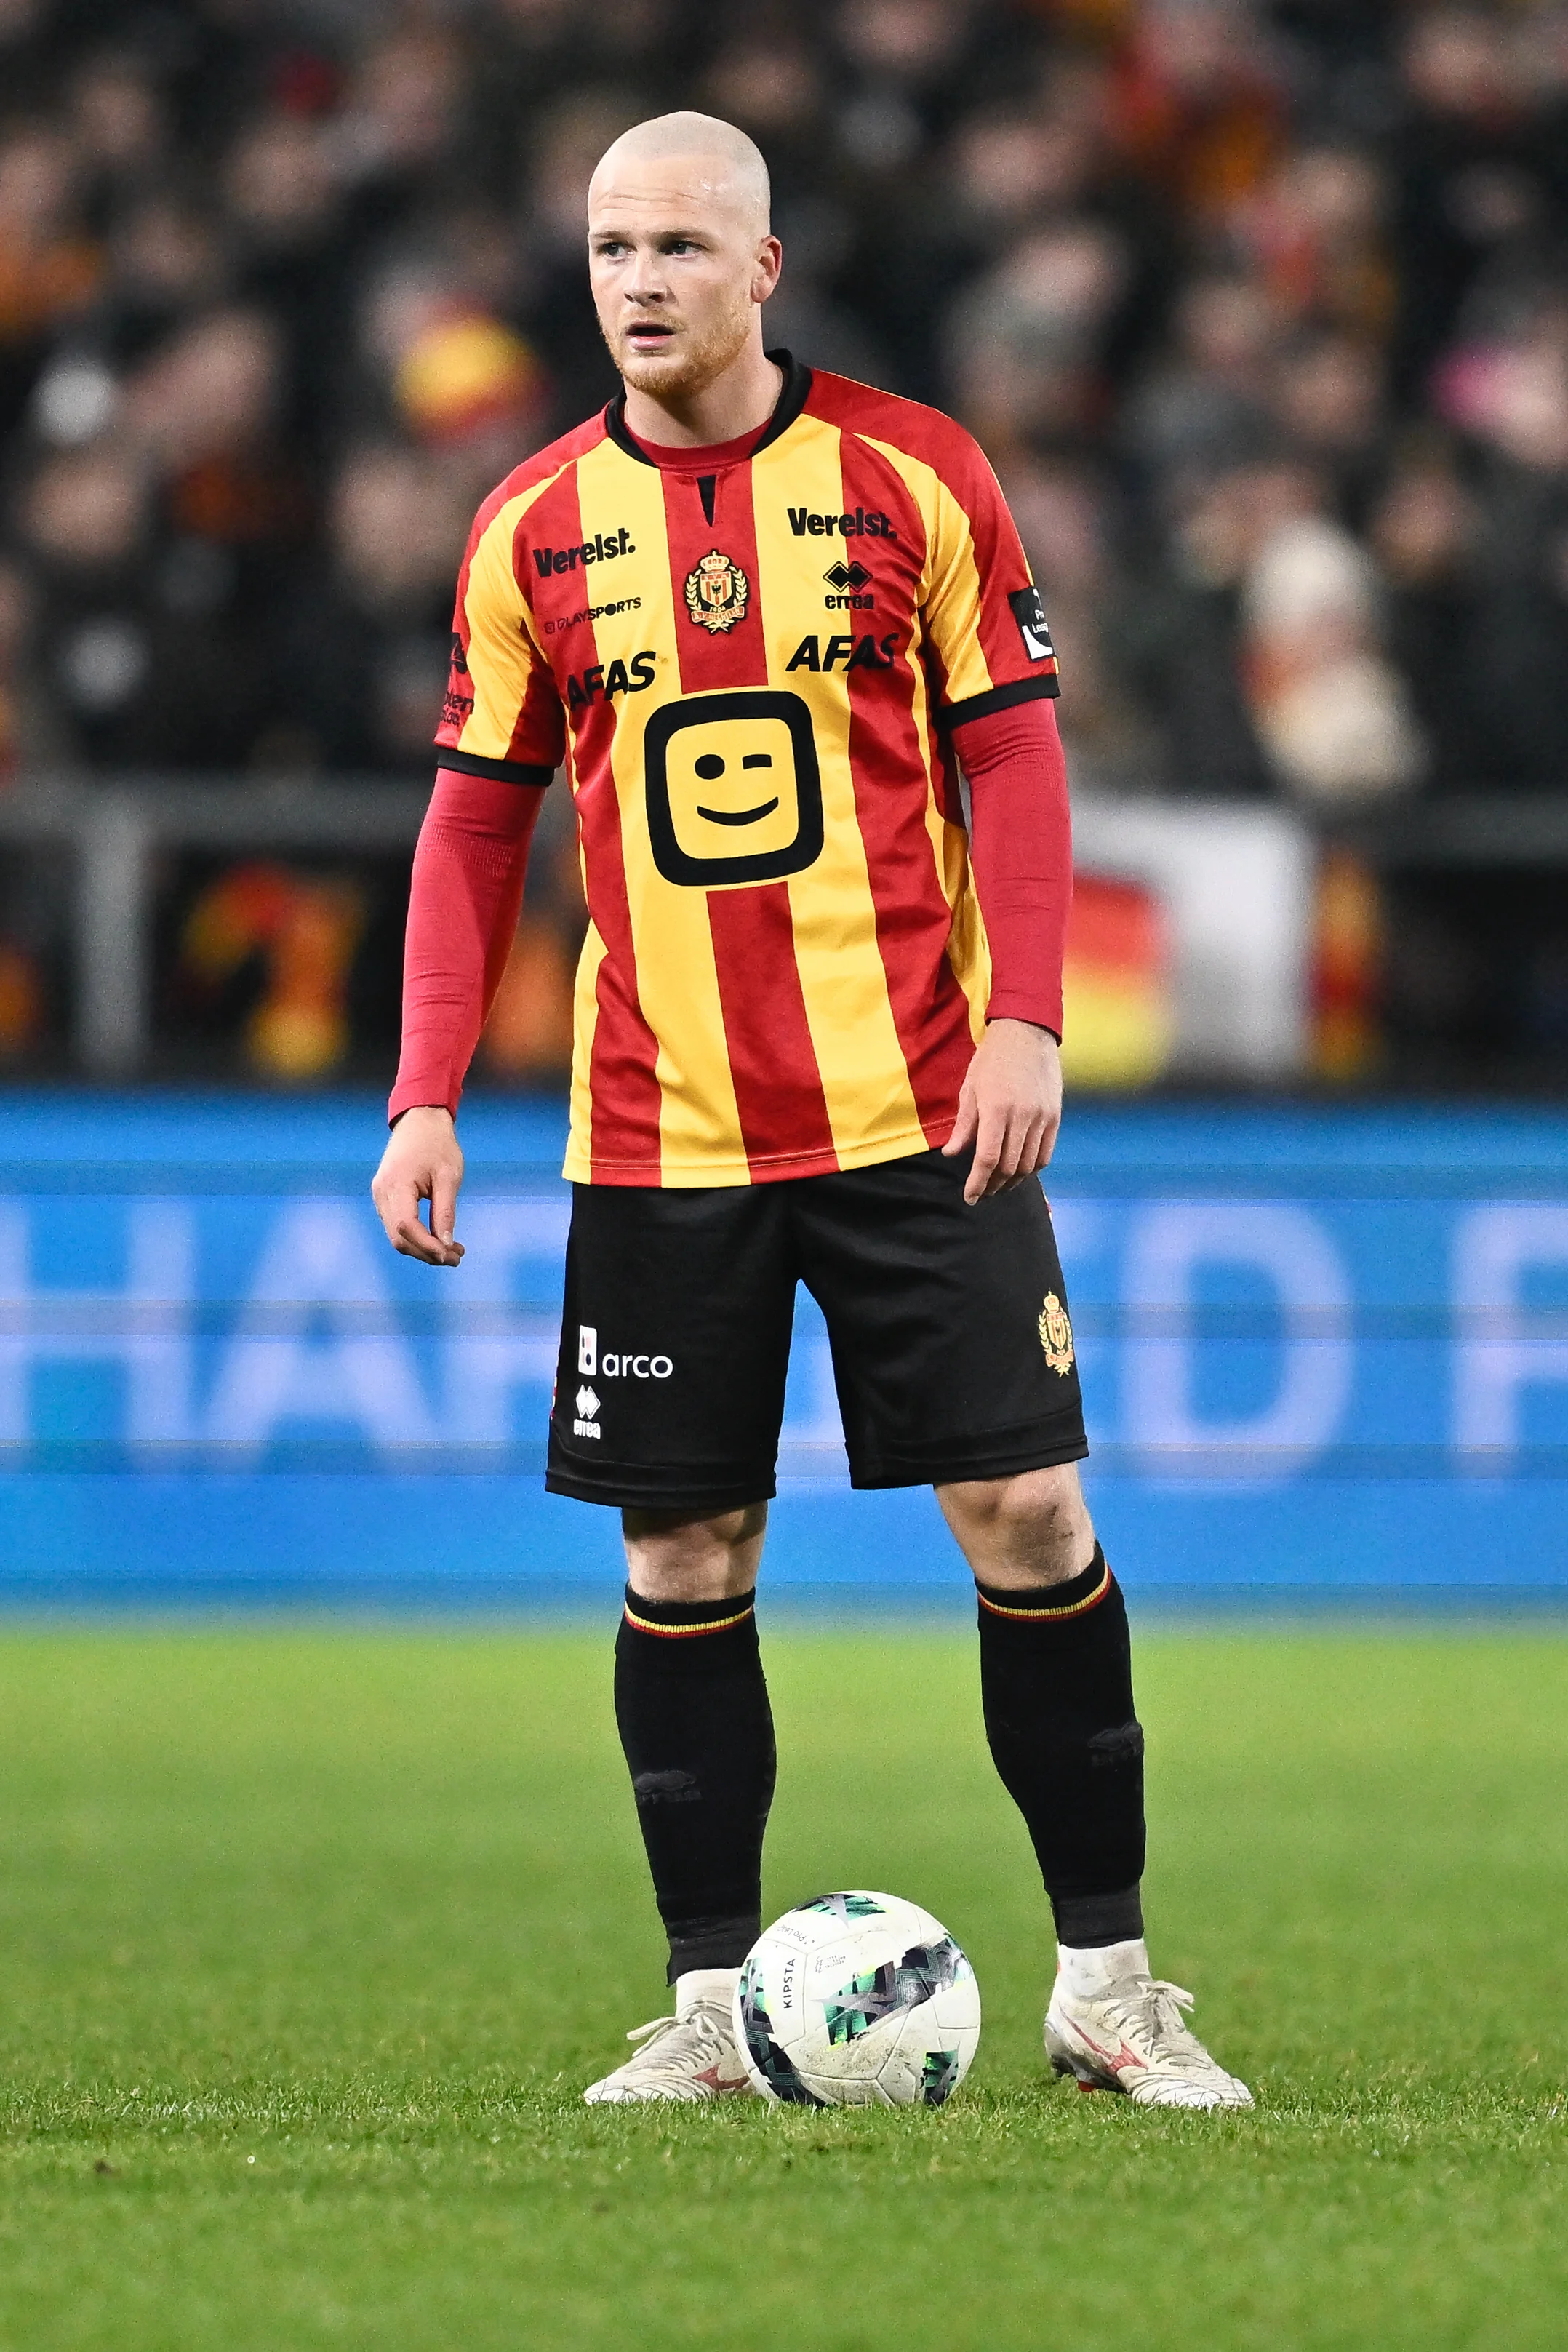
740 401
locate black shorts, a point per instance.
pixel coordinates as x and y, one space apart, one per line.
952 1353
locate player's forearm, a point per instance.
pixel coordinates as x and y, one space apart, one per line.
1021 848
464 896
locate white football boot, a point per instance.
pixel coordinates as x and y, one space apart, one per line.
1116 2028
690 2056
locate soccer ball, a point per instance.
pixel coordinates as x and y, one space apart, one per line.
856 2001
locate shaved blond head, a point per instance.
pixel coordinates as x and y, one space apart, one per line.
726 168
682 260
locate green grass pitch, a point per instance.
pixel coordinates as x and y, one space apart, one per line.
308 1939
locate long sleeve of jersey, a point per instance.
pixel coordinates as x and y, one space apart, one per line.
1021 845
463 902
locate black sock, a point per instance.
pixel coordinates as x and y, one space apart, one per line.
692 1710
1055 1676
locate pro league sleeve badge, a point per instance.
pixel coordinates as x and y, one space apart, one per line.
1030 615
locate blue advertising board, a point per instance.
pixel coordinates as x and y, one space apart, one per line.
1323 1351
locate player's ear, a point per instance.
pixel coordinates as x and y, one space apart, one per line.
768 265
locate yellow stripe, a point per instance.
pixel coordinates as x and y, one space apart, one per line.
1070 1609
866 1083
950 586
677 1632
677 983
503 651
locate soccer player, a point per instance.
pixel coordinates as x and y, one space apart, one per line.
768 619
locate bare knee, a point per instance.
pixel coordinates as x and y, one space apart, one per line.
671 1556
1032 1529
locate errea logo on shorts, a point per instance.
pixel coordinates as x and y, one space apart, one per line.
587 1421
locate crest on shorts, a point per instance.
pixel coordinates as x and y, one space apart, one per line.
717 593
1056 1334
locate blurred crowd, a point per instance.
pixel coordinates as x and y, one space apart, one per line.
1259 307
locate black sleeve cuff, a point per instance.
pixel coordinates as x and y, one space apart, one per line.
1000 697
504 772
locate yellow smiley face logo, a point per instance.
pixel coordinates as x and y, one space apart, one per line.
735 794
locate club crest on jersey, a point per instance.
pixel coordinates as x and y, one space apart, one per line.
1056 1334
717 593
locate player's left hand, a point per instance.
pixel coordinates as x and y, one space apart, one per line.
1009 1109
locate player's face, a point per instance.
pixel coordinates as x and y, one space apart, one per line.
678 270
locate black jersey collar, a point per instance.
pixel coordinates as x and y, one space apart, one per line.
791 401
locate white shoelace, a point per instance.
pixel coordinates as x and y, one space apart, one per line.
1154 2007
700 2021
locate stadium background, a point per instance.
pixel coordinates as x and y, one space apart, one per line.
1261 314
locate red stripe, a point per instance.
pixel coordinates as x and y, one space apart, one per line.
930 1013
1001 563
623 1066
773 1063
549 521
778 1088
713 658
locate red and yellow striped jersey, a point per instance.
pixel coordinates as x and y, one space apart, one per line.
751 670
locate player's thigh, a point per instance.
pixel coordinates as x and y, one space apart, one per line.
953 1347
674 1348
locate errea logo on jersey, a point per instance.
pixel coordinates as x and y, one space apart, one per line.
850 580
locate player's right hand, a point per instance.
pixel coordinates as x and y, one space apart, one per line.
423 1161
